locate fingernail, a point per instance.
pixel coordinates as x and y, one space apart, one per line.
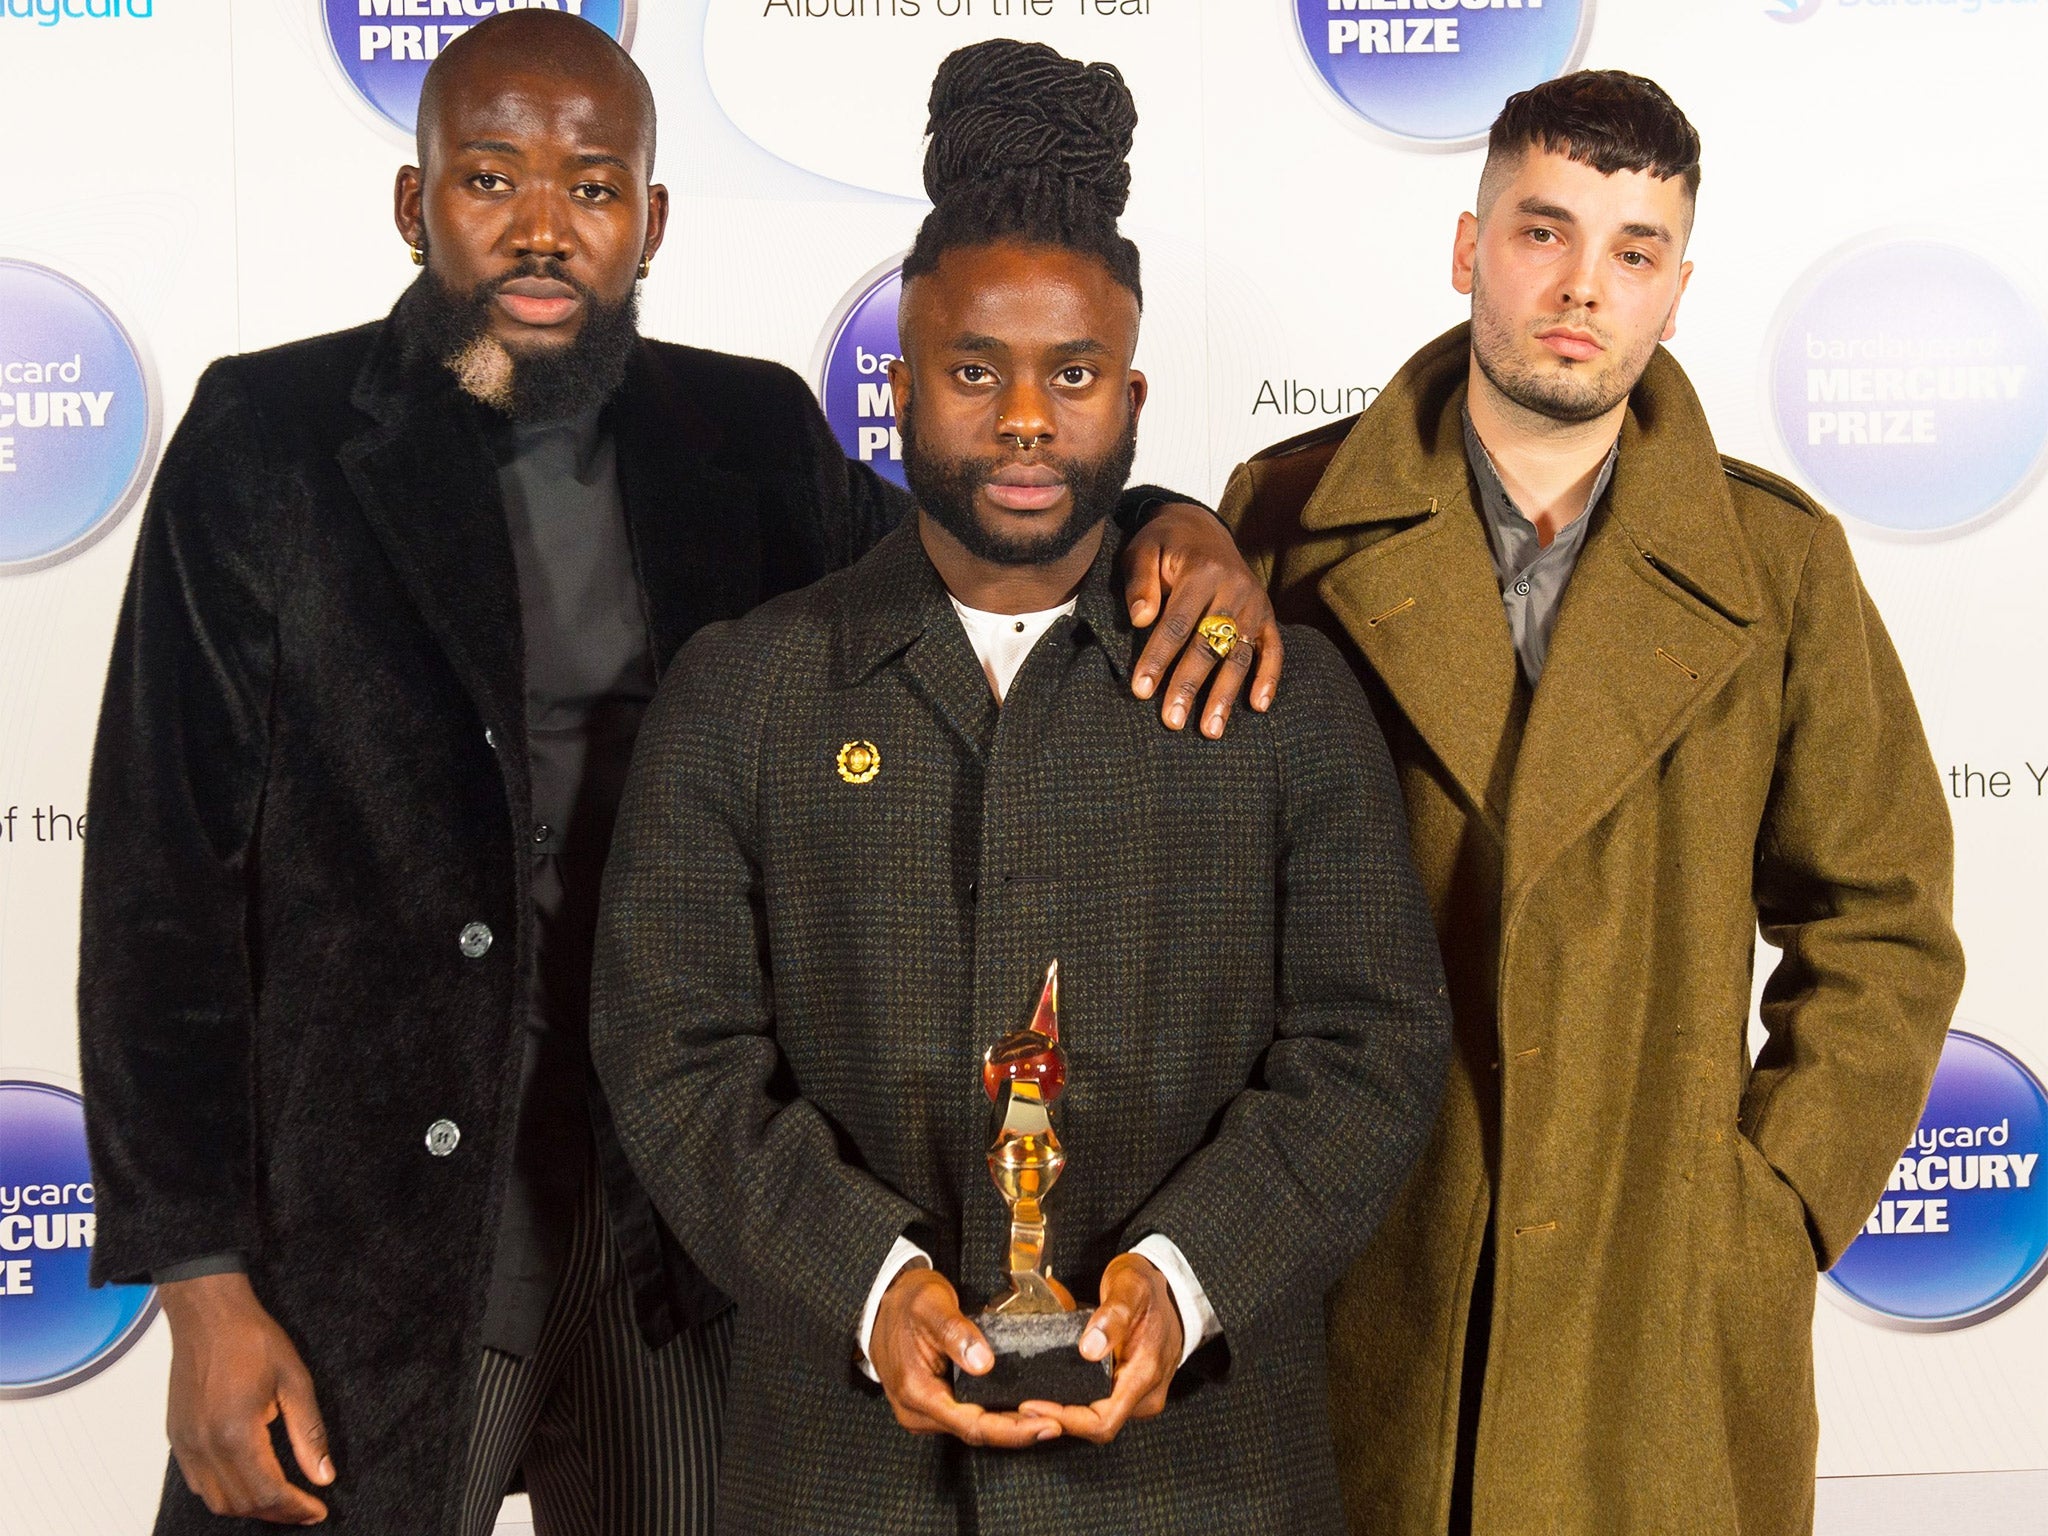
326 1469
1093 1343
1213 727
1176 717
979 1357
1049 1432
1142 687
1265 699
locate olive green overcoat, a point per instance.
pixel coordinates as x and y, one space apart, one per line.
1722 738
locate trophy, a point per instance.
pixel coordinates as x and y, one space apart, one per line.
1033 1327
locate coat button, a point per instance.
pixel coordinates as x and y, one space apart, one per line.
542 832
475 940
442 1137
490 738
1521 589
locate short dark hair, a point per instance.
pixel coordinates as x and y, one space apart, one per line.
1605 118
1027 145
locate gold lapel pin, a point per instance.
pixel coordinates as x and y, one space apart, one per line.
859 761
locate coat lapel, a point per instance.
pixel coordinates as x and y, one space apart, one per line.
1421 602
1654 621
1653 624
1424 609
893 603
429 487
695 525
945 671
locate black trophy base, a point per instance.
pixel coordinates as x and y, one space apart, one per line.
1037 1360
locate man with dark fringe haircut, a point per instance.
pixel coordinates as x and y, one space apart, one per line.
1642 709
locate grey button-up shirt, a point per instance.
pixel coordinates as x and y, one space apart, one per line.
1532 578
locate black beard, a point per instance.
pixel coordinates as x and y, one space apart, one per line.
949 491
536 384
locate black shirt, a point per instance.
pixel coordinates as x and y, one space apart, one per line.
589 676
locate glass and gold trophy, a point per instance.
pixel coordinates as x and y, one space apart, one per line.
1034 1327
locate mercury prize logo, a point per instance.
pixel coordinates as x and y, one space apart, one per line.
1909 384
55 1330
1434 73
385 46
78 417
853 371
1962 1231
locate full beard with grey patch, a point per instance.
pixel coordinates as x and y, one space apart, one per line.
533 384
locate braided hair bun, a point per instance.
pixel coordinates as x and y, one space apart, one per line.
1027 144
1005 108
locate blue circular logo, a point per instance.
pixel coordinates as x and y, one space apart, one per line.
55 1330
1962 1230
385 46
853 371
1435 73
78 417
1909 383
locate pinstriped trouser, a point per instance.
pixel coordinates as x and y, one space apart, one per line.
615 1439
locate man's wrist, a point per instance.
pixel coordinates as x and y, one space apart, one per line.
1198 1320
207 1299
903 1254
1148 501
225 1263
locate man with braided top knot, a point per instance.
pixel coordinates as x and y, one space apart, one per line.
860 822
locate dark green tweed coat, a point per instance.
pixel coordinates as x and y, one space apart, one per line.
797 976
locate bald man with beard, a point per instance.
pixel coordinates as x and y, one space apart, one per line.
399 601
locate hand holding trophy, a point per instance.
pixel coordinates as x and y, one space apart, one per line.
1046 1367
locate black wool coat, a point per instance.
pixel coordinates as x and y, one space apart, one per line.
797 976
310 779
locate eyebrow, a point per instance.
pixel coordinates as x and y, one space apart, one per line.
1535 207
1086 346
506 147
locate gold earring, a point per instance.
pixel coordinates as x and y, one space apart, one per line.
419 255
644 265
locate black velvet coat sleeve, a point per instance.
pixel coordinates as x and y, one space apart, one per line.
177 781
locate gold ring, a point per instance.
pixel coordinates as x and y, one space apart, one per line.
1219 634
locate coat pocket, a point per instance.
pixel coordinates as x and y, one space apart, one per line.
1773 1215
1765 1349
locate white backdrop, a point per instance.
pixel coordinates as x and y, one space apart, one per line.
1866 317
